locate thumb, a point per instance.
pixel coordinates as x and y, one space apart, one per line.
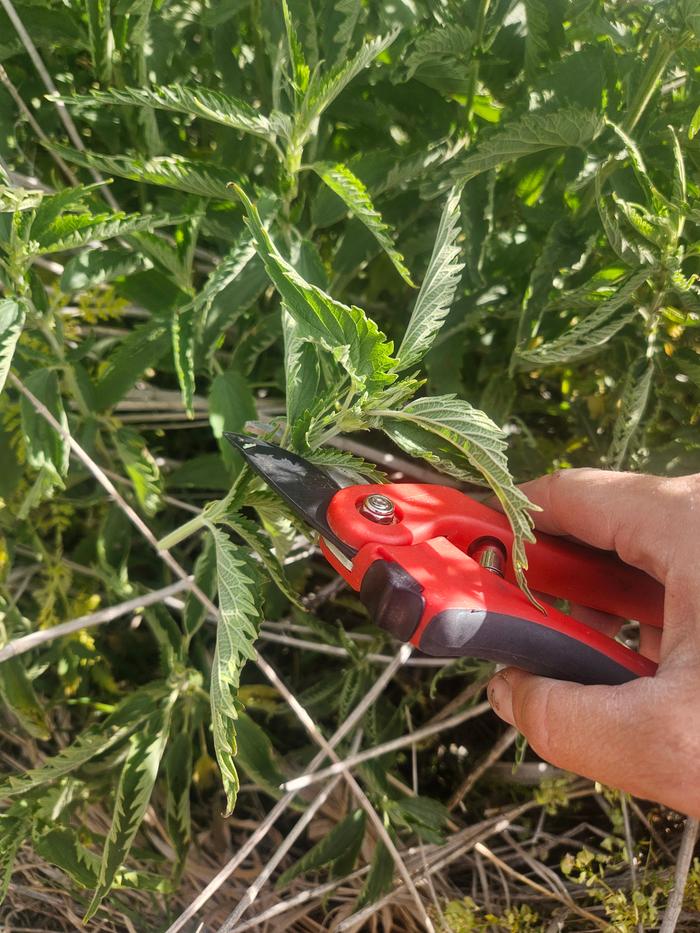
608 734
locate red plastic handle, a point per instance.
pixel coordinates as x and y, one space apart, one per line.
589 577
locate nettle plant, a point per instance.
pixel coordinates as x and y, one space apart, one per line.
536 164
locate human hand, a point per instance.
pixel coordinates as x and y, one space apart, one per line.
644 736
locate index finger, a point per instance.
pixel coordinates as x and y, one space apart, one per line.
636 515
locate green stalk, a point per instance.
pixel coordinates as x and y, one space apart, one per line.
476 50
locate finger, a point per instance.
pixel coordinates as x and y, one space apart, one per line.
641 517
650 642
605 622
622 736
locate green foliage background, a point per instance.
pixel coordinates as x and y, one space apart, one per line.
217 216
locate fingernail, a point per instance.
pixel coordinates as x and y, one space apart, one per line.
501 698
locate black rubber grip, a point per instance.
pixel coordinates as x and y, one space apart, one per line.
491 636
393 598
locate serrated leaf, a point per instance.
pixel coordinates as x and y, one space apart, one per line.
438 289
231 404
226 272
301 370
97 739
18 693
46 448
356 198
535 132
300 68
380 877
342 842
592 332
259 544
136 782
18 199
194 612
14 831
183 355
256 756
694 125
196 101
12 315
324 88
72 230
142 348
101 39
141 468
235 638
347 463
473 436
448 40
178 773
347 333
633 404
201 178
93 267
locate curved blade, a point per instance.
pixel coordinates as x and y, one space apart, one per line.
305 488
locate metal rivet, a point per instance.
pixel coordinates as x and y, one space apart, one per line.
489 554
378 508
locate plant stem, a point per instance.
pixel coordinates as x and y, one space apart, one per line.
476 50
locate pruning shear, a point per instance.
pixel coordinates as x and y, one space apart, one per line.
432 567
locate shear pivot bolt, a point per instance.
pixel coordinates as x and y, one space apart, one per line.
378 508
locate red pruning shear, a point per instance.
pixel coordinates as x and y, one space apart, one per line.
432 567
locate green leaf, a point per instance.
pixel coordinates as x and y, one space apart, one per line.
535 132
231 404
694 125
438 289
380 877
46 448
14 832
74 230
196 101
142 348
18 199
93 267
61 848
633 404
347 333
12 315
97 739
591 333
225 273
342 842
195 613
300 68
178 774
435 45
256 755
301 369
183 355
353 193
201 178
260 545
141 468
101 39
323 89
347 464
469 435
136 782
235 638
18 693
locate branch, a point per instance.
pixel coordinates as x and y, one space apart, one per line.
26 642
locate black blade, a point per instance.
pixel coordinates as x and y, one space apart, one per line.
303 486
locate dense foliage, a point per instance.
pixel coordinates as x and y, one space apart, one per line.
471 228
